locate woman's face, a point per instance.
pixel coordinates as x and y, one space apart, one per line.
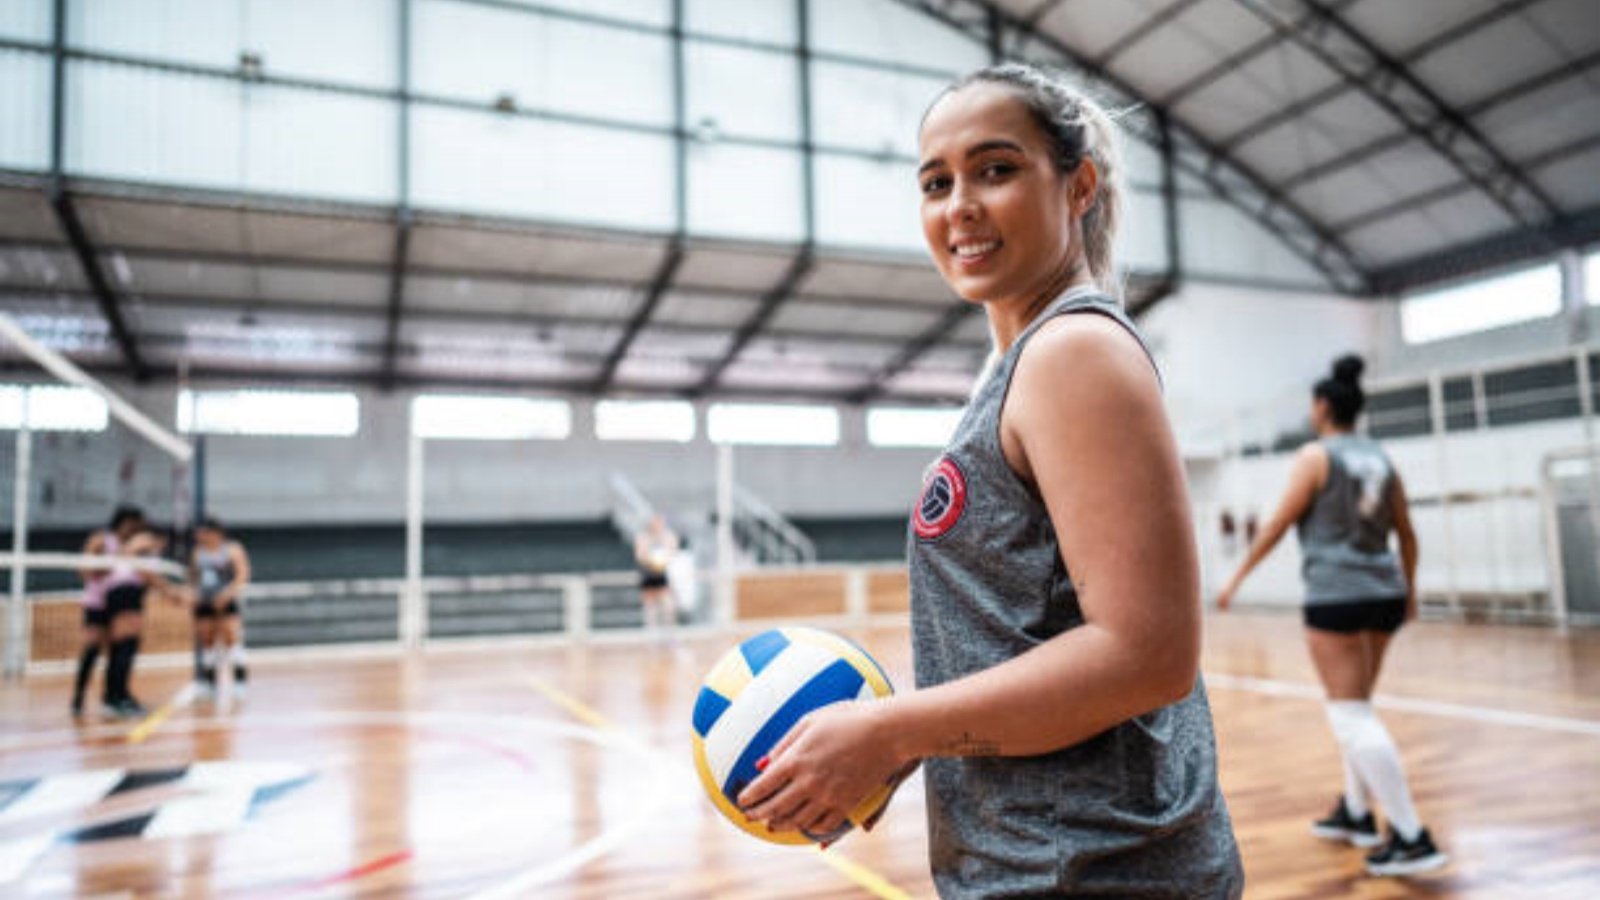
999 218
1321 414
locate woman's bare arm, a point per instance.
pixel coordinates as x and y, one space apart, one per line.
1408 541
1307 474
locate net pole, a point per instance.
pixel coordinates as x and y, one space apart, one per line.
16 650
412 615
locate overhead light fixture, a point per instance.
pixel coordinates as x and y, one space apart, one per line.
251 66
707 131
505 102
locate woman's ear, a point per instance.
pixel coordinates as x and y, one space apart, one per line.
1084 185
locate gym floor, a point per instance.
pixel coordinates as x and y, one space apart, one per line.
490 770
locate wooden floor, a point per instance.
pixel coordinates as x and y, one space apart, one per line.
563 772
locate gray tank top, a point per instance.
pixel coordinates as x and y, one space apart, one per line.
1344 536
215 570
1132 812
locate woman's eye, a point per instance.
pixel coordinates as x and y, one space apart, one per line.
935 184
997 170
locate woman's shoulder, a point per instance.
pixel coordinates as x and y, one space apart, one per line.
1082 349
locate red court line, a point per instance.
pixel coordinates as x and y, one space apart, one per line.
359 872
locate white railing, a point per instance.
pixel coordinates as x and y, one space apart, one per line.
767 535
630 509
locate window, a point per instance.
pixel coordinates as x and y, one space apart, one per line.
1591 277
276 413
1481 305
53 408
644 420
908 427
478 418
764 423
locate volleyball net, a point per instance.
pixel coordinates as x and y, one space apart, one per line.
77 450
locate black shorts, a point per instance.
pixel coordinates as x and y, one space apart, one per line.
652 581
124 599
96 617
207 609
1385 614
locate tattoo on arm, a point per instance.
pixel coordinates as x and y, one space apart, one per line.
970 744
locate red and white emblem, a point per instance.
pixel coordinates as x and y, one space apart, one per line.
944 498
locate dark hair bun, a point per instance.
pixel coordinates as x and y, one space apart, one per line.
1348 369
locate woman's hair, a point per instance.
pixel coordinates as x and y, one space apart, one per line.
1342 390
125 513
1076 127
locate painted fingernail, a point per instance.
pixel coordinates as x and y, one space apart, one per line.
761 764
826 844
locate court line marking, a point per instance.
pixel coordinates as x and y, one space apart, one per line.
1483 714
372 867
183 697
579 710
520 886
862 875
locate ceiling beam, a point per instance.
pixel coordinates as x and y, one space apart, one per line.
1571 69
196 303
1294 111
1226 66
1229 179
659 285
400 259
1414 202
1149 26
932 336
89 261
765 310
396 300
1517 245
1389 83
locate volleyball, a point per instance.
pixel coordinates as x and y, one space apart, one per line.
755 693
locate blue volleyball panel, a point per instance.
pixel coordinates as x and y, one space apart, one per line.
839 681
708 708
762 649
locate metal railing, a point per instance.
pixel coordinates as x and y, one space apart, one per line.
766 536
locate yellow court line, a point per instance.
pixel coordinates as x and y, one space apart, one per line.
864 877
154 720
580 710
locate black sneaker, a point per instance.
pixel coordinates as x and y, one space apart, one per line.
129 708
1403 857
77 707
1339 825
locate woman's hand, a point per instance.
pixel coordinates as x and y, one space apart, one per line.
823 768
1225 596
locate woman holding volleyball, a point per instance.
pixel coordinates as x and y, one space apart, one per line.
1055 586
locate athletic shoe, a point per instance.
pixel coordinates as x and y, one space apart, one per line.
77 707
205 691
240 691
1403 857
128 708
1339 825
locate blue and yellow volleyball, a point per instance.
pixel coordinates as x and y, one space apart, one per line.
758 691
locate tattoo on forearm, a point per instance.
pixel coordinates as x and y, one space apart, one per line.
970 744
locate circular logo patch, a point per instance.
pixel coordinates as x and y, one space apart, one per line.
944 498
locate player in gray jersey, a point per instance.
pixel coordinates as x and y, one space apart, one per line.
1344 499
1055 585
220 570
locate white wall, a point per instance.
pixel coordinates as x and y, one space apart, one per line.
1223 349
